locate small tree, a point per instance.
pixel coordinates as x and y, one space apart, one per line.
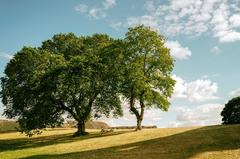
67 74
231 112
148 66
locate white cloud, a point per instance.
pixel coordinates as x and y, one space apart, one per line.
195 91
224 23
177 50
146 20
6 56
201 90
215 50
96 12
235 93
228 36
235 20
219 18
180 87
207 114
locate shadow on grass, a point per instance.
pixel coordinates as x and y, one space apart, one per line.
183 146
22 143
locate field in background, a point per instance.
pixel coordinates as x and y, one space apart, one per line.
11 126
212 142
8 126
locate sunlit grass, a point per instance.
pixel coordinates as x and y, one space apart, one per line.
216 142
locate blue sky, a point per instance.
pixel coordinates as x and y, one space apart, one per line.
203 35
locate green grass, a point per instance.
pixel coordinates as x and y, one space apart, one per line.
213 142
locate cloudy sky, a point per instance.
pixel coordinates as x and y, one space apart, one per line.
203 35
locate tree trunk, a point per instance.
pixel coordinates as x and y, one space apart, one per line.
82 119
139 119
140 115
135 111
139 124
81 129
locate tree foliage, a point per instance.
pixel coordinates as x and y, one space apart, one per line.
67 74
80 75
148 67
231 112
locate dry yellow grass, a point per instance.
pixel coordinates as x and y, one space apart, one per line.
214 142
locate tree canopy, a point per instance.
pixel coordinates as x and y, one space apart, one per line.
148 66
67 74
78 76
231 112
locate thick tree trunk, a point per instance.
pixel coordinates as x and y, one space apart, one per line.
82 118
81 130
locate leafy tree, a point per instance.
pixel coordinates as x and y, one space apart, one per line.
148 67
67 74
231 112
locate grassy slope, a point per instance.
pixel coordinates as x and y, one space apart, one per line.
214 142
7 126
10 125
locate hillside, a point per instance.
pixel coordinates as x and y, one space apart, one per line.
89 124
10 125
212 142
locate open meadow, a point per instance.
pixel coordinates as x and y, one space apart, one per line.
211 142
120 79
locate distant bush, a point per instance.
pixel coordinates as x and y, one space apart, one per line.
231 112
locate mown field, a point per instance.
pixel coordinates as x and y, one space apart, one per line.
212 142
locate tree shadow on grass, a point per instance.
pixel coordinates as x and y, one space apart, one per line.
179 146
23 143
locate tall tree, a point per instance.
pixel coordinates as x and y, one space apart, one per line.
148 67
67 74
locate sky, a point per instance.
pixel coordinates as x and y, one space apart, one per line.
203 35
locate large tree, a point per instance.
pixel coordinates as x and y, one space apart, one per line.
66 75
231 112
148 67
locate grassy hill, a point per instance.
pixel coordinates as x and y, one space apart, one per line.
8 126
89 124
212 142
11 125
